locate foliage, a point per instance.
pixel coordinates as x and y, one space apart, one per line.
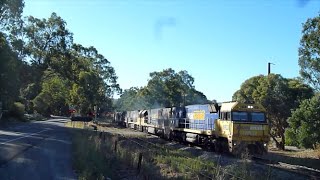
10 11
309 52
130 100
93 79
31 91
278 95
9 74
53 96
17 110
304 124
47 40
164 89
46 69
91 59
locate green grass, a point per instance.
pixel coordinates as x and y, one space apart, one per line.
89 156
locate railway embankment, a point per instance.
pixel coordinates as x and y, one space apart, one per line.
120 153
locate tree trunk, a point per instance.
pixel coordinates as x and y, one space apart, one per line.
279 145
282 147
275 140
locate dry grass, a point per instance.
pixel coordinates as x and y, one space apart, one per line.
309 158
75 124
100 155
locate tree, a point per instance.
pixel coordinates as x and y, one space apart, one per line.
304 124
168 88
48 46
278 95
44 44
53 71
131 99
47 40
10 65
90 58
309 52
93 79
54 95
10 12
165 89
9 74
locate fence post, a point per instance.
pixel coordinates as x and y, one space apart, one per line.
115 146
139 162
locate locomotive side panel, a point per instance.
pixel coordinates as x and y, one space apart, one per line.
201 117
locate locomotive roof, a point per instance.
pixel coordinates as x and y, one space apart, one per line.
237 106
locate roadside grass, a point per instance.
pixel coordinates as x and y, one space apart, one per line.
89 161
102 155
76 124
134 160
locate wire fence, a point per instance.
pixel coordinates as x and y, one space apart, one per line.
209 172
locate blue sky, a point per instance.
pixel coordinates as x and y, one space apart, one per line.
220 43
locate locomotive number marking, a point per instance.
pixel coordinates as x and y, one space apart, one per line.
249 133
198 115
256 128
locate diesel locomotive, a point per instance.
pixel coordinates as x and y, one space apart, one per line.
229 126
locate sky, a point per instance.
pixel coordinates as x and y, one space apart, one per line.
220 43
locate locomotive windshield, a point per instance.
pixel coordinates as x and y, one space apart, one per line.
257 116
240 116
248 116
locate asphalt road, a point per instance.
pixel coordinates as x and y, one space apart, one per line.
36 150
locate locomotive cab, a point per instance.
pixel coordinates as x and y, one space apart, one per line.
242 127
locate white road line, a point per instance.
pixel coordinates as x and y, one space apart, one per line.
3 143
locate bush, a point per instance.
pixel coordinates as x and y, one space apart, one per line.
304 124
17 110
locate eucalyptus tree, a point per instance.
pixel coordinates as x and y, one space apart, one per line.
309 52
278 95
166 88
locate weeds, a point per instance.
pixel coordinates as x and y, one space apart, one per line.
88 159
100 155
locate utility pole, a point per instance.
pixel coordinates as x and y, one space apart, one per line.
269 68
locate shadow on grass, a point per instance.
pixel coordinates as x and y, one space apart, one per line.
101 155
308 162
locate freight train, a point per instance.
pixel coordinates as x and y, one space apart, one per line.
229 126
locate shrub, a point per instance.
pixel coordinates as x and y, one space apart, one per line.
304 124
17 110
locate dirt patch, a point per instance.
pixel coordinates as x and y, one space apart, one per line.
308 158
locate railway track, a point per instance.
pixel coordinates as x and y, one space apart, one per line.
308 173
297 169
